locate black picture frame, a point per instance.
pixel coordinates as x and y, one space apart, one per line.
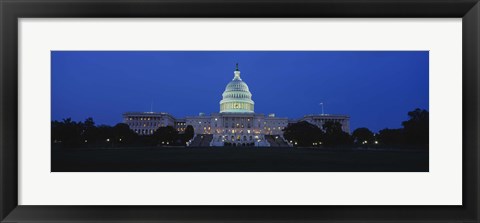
12 10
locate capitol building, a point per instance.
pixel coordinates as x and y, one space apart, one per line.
236 124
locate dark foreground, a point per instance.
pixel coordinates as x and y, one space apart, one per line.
157 159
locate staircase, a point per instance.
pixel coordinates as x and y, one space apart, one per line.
281 142
201 140
206 140
270 139
276 141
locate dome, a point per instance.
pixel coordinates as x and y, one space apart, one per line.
237 97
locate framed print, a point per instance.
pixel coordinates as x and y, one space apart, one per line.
239 111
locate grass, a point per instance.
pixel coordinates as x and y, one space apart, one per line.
181 159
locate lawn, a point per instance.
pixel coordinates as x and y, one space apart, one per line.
165 159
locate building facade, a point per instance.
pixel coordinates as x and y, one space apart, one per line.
319 120
236 124
145 123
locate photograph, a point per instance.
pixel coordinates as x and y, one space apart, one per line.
240 111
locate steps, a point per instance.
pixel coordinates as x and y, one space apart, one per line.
206 140
270 139
201 140
276 141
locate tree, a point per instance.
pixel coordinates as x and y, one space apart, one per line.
362 136
68 132
189 132
334 135
303 133
123 134
105 134
165 135
89 123
90 131
416 129
56 135
391 137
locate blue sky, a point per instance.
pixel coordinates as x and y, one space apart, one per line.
375 88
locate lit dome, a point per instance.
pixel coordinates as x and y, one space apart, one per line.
237 97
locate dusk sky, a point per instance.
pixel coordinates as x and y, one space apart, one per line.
375 88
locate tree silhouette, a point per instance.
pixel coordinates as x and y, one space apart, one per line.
189 132
72 134
303 133
165 135
90 132
334 135
362 136
68 132
416 129
123 134
391 137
